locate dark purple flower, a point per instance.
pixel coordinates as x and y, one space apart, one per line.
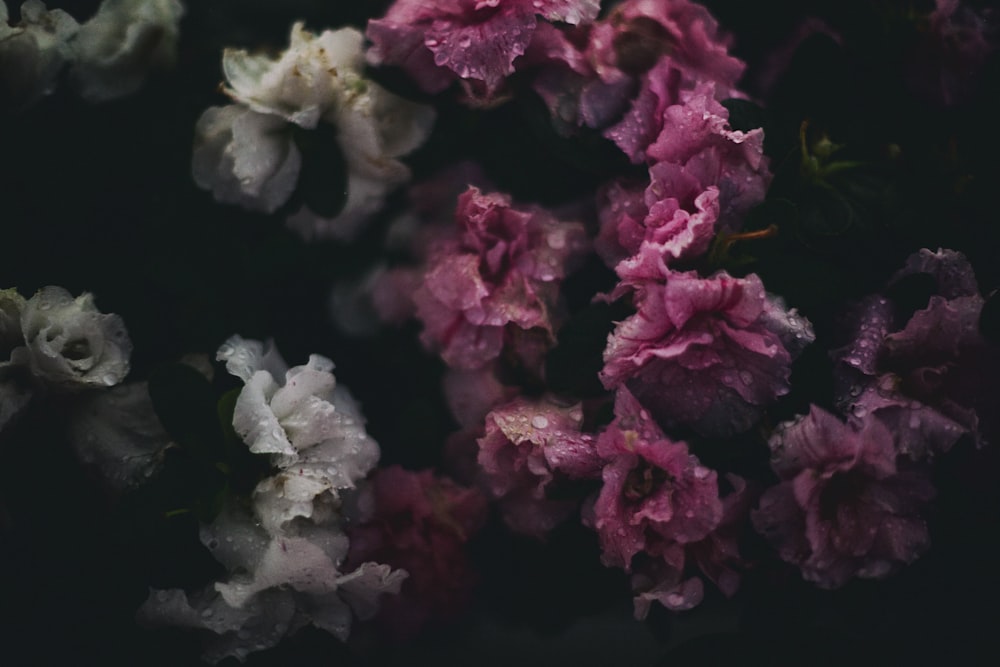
502 271
708 352
842 509
527 446
950 54
931 379
420 523
476 41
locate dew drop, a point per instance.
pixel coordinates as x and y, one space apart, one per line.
701 472
538 421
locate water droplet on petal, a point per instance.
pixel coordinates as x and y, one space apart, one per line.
539 421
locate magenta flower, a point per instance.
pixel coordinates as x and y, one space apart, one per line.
476 41
842 509
420 523
707 176
662 49
655 494
707 352
529 445
499 275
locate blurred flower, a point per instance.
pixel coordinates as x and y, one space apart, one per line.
33 52
476 42
115 50
503 271
420 523
251 153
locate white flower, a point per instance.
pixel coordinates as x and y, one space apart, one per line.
70 343
246 153
279 582
33 52
313 430
117 47
245 158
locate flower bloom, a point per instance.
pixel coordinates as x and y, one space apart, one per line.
529 446
842 509
707 352
501 273
655 494
116 48
477 42
622 71
247 153
69 343
33 52
655 501
420 523
704 178
312 429
932 378
284 553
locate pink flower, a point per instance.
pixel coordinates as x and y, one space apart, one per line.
661 49
501 274
655 494
527 447
842 509
476 41
420 523
707 352
706 177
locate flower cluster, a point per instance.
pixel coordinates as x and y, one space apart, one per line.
109 55
254 152
658 356
285 552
